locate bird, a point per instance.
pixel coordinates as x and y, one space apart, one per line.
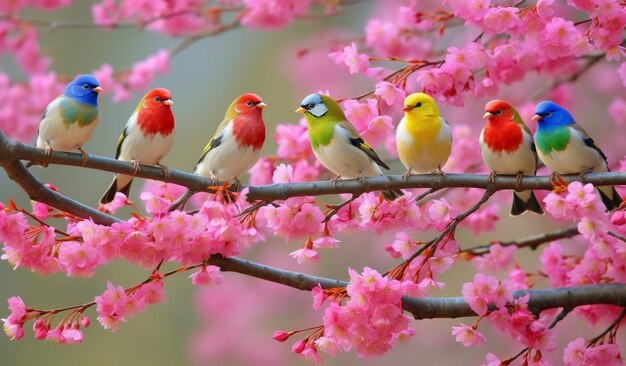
70 119
236 145
423 136
147 137
337 144
507 147
565 148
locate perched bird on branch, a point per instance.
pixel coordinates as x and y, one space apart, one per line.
236 145
566 148
337 144
69 120
423 137
147 137
508 148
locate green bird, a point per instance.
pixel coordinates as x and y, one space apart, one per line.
337 144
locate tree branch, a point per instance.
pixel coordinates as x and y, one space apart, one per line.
532 241
435 307
13 150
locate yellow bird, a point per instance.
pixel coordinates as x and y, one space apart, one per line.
423 137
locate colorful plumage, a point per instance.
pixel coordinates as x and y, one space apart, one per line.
337 144
69 120
147 137
507 147
566 148
236 145
423 137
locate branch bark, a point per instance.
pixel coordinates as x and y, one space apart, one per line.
13 150
436 307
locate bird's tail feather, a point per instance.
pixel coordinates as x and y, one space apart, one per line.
109 195
523 204
610 197
392 194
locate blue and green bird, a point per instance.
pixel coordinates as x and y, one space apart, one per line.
564 147
69 120
337 144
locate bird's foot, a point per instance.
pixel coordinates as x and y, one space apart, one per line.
518 181
84 155
492 177
335 180
440 172
361 179
406 175
164 171
584 173
48 151
236 186
558 184
136 167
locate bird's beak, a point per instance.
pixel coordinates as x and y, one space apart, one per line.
536 117
407 108
300 110
97 89
261 105
168 102
487 115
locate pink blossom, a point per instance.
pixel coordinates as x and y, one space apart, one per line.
206 276
305 255
575 353
617 108
283 174
142 72
467 335
439 212
13 324
71 335
79 259
498 258
111 306
41 328
325 242
604 354
349 57
262 172
154 204
389 92
557 206
272 14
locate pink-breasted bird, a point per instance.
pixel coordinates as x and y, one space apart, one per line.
147 137
236 145
507 147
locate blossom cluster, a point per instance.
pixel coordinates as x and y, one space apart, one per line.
370 320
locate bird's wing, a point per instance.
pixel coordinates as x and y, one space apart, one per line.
216 140
120 141
445 127
588 140
358 142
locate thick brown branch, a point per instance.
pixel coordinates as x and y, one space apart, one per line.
10 150
431 307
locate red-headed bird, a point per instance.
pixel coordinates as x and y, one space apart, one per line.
507 147
236 145
146 139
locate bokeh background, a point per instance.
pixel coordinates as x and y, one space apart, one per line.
230 324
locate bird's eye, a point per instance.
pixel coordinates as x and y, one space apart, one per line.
498 112
85 86
548 114
310 106
419 104
157 99
249 103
